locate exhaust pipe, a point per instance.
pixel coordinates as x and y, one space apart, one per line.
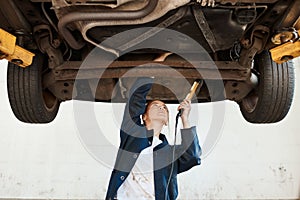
99 15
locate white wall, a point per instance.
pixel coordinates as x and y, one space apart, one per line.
248 161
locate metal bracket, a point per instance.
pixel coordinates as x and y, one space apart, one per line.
44 30
254 45
47 44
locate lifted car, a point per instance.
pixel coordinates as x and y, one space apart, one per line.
237 35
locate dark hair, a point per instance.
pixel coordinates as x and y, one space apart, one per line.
148 107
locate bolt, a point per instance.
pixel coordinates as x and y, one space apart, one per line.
56 42
235 84
235 92
286 58
20 32
17 61
2 54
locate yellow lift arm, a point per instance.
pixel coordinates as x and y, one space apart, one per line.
12 52
288 50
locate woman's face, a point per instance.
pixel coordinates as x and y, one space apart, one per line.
157 110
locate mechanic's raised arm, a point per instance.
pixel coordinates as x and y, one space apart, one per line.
136 104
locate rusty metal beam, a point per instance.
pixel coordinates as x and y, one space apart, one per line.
174 69
197 64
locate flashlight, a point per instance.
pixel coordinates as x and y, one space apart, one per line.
189 96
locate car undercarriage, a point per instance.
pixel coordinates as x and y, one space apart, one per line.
239 40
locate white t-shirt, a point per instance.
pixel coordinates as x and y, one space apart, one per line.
140 182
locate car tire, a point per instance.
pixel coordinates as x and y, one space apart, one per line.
270 101
31 103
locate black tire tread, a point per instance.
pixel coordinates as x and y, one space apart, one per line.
275 90
26 95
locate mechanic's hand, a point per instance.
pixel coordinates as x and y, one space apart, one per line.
186 106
